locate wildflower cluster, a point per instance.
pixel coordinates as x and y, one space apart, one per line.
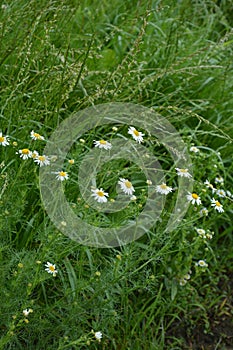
213 192
39 159
184 279
204 234
26 153
125 184
101 196
215 195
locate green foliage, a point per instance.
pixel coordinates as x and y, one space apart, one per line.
58 57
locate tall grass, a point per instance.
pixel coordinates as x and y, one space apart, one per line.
58 58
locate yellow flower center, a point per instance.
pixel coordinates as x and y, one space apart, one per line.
2 139
163 186
37 135
102 142
195 196
25 151
41 158
100 193
183 170
51 268
136 133
128 184
62 173
217 204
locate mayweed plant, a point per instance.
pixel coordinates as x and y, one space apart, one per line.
168 289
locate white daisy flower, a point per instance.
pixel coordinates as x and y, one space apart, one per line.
194 149
35 136
149 182
182 281
137 135
98 336
187 276
24 153
193 198
183 172
201 263
209 235
35 154
204 212
4 140
221 193
126 186
71 161
51 268
99 195
26 312
209 185
201 232
103 144
217 205
219 180
42 160
163 189
61 175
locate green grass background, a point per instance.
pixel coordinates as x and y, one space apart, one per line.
58 57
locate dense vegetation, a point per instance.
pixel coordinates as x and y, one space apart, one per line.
165 290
